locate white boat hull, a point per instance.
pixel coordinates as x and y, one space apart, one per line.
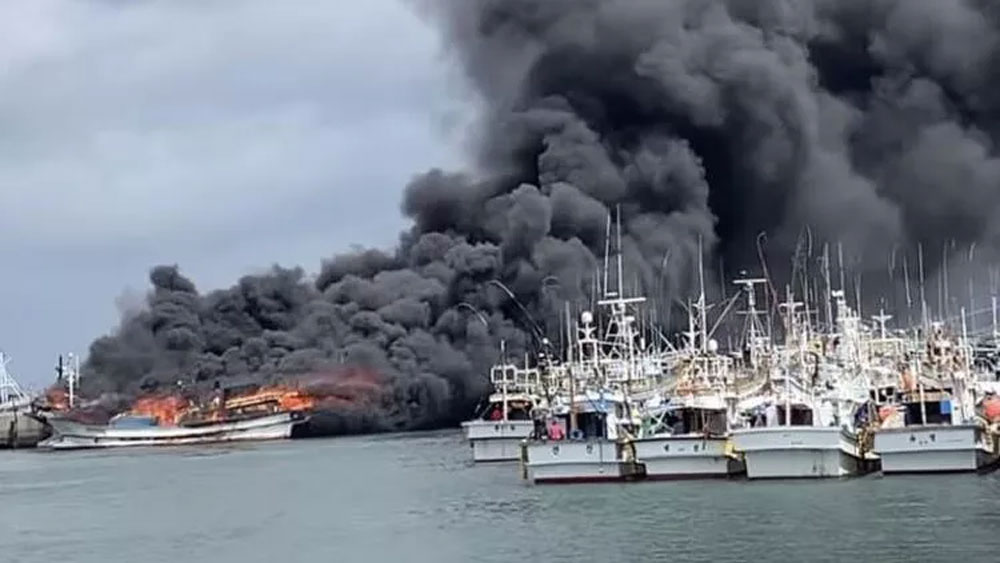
935 449
686 457
496 440
72 435
577 462
795 452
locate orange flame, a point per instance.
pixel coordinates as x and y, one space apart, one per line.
167 410
285 398
57 398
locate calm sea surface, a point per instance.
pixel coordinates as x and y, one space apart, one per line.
415 498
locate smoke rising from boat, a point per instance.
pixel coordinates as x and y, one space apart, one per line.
866 125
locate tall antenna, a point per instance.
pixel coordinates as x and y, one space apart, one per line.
753 322
972 295
789 307
857 291
944 306
881 318
906 283
923 296
840 264
722 277
618 236
996 333
607 252
569 336
703 321
829 289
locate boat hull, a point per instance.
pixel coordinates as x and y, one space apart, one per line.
935 449
493 441
18 430
799 452
687 457
552 462
68 434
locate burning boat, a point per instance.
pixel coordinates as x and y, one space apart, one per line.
265 414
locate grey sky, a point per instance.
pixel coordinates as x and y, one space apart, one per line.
223 136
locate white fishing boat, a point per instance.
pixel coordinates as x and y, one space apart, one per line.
687 436
804 427
17 428
595 450
933 427
506 421
131 431
593 417
800 438
688 439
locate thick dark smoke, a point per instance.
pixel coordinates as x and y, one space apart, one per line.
869 124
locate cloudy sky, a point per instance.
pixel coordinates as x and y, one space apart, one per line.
223 136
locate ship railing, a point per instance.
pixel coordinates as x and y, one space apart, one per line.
512 377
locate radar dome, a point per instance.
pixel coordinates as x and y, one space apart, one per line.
586 317
713 345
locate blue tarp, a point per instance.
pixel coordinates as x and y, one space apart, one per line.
945 407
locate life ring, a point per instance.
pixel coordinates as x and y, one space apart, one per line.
576 434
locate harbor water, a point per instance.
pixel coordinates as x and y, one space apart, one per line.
416 498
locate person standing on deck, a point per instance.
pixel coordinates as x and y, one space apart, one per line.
556 430
538 418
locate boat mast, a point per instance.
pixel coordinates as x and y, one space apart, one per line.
618 237
753 321
945 294
993 301
840 264
72 376
906 287
703 320
607 252
829 288
881 318
923 296
10 391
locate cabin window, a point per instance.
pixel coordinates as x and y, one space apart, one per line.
801 416
697 421
933 410
591 424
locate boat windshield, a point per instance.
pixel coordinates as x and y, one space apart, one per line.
688 421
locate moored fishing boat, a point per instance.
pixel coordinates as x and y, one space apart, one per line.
805 425
589 435
506 421
932 425
687 436
17 428
597 448
687 440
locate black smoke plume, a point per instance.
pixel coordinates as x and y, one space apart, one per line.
735 127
